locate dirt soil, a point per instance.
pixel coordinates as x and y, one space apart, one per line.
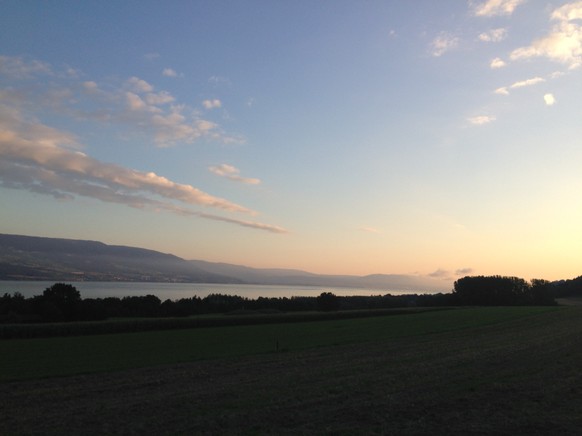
479 382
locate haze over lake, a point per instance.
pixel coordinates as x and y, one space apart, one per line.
174 291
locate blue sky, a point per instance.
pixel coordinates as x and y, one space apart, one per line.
430 138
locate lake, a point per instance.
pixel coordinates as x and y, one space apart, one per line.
175 291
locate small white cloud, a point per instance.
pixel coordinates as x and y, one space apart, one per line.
139 85
497 63
502 91
212 104
443 43
493 35
168 72
549 99
492 8
481 119
232 173
528 82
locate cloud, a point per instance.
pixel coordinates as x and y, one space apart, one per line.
481 119
151 56
563 43
232 173
219 81
371 230
493 35
212 104
44 160
504 90
168 72
463 271
134 104
23 68
90 86
159 98
440 274
492 8
139 85
497 63
528 82
568 12
443 43
549 99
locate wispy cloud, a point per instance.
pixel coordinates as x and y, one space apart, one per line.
22 68
481 119
493 35
133 103
212 104
504 90
219 81
491 8
44 160
463 271
563 43
151 56
373 230
232 173
443 43
528 82
440 274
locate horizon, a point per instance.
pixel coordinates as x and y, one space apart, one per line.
428 139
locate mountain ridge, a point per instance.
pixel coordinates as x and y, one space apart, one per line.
59 259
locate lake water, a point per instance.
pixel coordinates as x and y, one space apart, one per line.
175 291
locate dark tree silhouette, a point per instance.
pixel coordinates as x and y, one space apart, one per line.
327 302
60 302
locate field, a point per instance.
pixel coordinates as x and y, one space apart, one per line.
461 371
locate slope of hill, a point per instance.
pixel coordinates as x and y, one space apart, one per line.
38 258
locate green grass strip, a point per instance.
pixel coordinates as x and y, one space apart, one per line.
62 356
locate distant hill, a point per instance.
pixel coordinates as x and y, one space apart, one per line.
38 258
290 277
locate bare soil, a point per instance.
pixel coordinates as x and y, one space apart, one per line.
516 378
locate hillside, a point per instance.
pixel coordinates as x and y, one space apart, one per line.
38 258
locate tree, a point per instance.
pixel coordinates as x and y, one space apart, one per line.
327 302
60 302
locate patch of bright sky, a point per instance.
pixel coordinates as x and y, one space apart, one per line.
337 137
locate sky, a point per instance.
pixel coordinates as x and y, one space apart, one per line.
438 139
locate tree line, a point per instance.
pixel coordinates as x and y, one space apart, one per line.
63 303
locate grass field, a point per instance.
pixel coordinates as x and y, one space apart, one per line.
462 371
60 356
